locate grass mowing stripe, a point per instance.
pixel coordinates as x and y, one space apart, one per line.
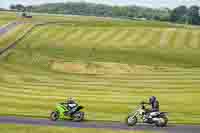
39 39
167 76
109 40
180 39
52 92
119 35
90 35
80 36
154 40
85 34
37 33
51 35
116 82
173 38
155 75
44 32
194 40
44 99
11 36
66 34
187 39
101 37
148 36
198 40
59 35
20 112
99 33
122 36
136 39
74 34
125 77
70 32
96 87
162 79
130 82
165 37
48 34
9 97
132 35
50 101
94 36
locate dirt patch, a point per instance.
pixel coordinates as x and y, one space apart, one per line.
68 67
100 68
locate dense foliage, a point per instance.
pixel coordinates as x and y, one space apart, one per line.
131 12
181 14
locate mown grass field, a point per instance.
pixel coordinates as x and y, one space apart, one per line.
6 17
108 69
39 129
14 34
99 21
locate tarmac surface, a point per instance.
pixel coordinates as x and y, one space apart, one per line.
100 125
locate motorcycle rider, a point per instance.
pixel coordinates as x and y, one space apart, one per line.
71 106
154 106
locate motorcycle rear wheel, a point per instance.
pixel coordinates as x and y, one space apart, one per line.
78 116
162 123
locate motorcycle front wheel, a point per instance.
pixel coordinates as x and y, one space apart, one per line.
54 116
131 121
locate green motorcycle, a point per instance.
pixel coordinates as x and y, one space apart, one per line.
61 112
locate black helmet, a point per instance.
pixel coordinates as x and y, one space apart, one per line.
152 99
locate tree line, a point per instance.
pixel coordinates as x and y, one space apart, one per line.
181 14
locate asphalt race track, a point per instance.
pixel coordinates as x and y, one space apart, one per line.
103 125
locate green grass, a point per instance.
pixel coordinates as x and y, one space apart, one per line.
39 129
142 46
6 17
108 68
14 34
101 21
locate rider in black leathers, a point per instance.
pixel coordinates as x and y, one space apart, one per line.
71 106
